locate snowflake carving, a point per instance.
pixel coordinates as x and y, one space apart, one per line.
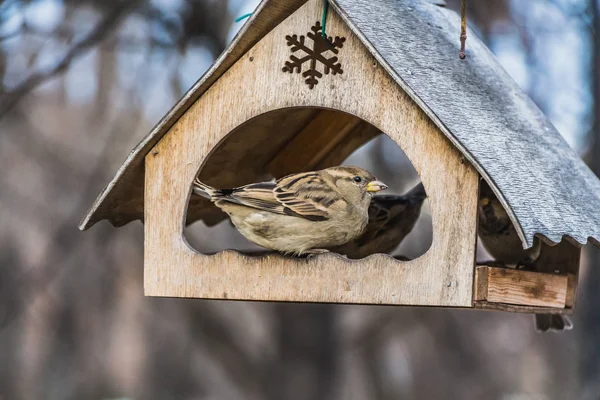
317 54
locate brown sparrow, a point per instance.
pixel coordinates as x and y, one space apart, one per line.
391 219
499 237
300 213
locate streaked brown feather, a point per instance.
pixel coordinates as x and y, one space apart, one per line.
257 195
306 195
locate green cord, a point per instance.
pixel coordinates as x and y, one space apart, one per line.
238 19
324 19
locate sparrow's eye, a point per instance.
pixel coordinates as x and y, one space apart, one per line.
357 179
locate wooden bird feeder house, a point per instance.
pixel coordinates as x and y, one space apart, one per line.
282 99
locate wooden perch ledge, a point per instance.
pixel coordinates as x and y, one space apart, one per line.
521 288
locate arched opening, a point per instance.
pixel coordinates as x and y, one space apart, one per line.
292 140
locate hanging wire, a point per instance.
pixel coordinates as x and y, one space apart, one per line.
324 18
463 29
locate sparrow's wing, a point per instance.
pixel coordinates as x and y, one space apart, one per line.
306 195
256 195
297 195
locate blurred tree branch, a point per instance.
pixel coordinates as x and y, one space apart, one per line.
104 28
197 19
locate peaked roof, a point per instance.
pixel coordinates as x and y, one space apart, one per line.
543 184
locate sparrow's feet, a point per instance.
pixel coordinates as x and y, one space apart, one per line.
314 252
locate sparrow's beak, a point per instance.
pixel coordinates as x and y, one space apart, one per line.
376 186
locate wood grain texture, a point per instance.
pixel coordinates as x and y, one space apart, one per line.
544 185
441 277
562 259
509 286
313 143
361 134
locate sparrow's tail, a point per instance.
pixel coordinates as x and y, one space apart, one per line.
554 322
206 191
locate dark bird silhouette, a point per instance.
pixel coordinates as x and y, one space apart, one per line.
391 219
499 237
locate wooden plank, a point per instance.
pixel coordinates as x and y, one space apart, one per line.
481 284
441 277
509 286
313 143
241 157
360 135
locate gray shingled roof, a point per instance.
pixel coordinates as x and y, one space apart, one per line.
542 182
539 178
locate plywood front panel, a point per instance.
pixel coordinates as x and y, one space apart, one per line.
256 85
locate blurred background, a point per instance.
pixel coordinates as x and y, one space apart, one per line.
82 81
